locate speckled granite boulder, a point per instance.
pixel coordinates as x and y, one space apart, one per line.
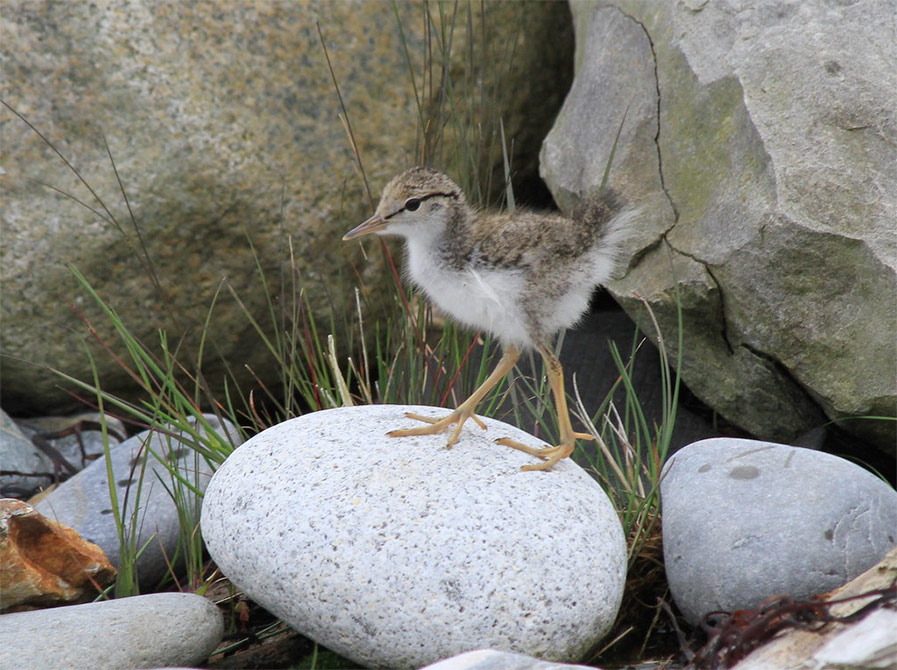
223 123
744 520
154 630
398 552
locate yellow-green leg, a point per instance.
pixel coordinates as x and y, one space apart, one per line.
551 455
466 409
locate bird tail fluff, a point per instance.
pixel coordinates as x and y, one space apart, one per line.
613 224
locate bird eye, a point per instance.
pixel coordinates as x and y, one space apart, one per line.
412 204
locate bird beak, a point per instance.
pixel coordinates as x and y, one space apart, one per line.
372 225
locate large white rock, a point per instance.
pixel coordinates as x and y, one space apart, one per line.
397 552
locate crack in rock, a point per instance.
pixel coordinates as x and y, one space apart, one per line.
663 184
794 386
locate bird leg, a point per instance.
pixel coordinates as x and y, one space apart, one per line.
551 455
466 409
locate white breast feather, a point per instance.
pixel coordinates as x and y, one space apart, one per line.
481 299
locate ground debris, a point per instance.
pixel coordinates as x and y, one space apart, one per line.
732 636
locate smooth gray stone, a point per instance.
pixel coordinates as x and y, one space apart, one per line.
744 520
490 659
398 552
18 455
155 630
83 501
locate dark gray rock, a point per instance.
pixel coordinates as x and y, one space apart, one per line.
77 439
155 630
142 483
26 468
744 520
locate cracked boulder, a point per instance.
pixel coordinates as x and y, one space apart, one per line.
759 145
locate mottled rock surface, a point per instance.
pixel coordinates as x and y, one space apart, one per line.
43 562
759 143
224 125
398 552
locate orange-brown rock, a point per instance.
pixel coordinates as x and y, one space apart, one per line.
43 562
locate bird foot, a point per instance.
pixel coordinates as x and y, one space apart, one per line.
458 417
549 455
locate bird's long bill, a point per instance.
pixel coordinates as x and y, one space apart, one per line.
372 225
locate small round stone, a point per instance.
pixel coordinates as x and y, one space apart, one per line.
398 552
153 630
744 520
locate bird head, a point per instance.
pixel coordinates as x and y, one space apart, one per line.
420 199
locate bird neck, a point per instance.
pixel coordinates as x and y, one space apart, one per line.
456 242
446 241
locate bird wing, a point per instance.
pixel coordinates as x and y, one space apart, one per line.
529 239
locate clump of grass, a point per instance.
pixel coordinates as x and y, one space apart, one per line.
629 461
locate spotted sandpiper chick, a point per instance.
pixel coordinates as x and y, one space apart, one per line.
522 276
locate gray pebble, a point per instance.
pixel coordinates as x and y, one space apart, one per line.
744 520
489 659
398 552
83 502
160 629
